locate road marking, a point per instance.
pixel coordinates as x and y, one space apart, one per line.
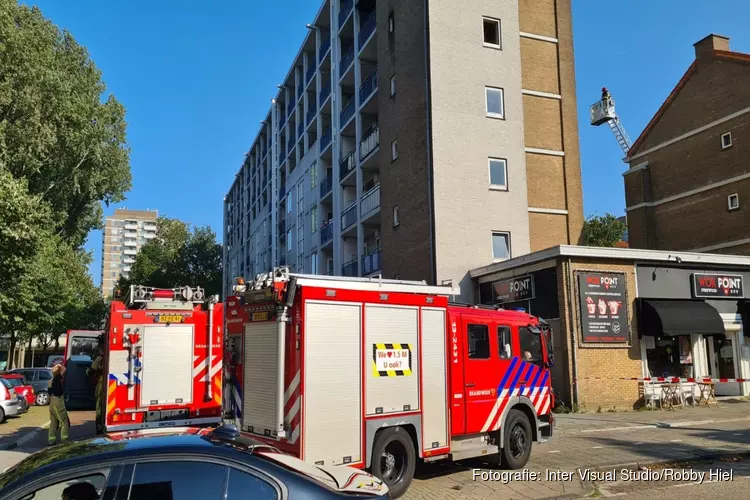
736 434
639 443
554 451
675 440
596 447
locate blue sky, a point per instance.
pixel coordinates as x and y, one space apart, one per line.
197 77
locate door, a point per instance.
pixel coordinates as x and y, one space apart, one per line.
722 362
487 356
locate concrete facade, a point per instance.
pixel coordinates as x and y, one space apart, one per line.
388 171
124 234
689 174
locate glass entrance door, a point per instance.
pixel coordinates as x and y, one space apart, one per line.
722 363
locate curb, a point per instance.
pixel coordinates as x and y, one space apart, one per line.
704 457
25 438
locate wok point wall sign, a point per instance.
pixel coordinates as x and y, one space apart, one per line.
717 286
603 307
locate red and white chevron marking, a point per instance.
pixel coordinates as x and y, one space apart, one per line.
539 396
200 367
292 401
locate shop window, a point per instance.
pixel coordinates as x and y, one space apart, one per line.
479 342
531 345
503 342
670 357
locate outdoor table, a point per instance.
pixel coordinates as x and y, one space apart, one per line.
707 394
669 396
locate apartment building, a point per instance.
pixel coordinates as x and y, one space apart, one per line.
124 234
414 139
688 180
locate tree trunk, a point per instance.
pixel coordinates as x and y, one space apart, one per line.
30 351
12 350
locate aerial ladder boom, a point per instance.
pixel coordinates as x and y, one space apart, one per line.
603 111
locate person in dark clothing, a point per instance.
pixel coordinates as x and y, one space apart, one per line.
80 491
58 415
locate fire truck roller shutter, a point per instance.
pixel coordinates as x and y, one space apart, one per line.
167 365
434 359
391 341
332 425
259 384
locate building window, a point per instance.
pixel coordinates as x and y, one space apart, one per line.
491 32
391 23
495 104
289 241
531 345
500 246
498 173
503 342
393 85
313 176
726 140
479 342
394 150
313 218
395 216
314 263
733 201
288 203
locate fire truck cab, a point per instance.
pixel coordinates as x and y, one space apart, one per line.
162 360
378 374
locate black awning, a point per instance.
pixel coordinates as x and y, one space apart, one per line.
660 318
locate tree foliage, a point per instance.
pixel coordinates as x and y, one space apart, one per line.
603 231
55 130
180 255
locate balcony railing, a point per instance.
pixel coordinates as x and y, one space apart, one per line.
370 142
310 74
346 8
325 139
371 201
367 29
350 268
369 86
371 263
346 59
347 165
347 113
325 46
349 217
326 185
326 233
324 93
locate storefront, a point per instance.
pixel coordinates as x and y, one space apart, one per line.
623 314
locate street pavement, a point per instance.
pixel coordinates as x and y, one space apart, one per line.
695 439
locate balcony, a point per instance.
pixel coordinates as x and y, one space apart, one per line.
347 165
128 243
326 233
326 185
312 112
367 29
290 109
282 152
347 113
291 141
371 201
132 227
282 227
346 9
149 236
300 129
325 92
128 260
299 92
371 263
349 217
149 227
346 60
369 86
282 121
350 268
370 142
325 46
310 74
325 139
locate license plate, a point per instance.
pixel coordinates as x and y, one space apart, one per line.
262 316
169 318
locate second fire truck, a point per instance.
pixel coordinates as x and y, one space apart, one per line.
162 360
377 374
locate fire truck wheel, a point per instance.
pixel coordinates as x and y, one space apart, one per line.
516 441
394 459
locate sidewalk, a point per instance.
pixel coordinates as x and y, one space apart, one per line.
31 439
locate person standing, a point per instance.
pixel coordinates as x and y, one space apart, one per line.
58 415
95 372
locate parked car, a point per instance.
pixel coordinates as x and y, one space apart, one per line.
182 464
9 405
39 379
22 387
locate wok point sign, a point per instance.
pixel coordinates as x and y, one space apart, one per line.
603 307
717 286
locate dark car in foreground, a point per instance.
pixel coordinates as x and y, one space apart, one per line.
181 464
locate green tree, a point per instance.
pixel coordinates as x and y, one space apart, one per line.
603 231
56 131
180 255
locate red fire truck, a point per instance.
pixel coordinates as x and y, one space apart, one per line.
377 374
161 368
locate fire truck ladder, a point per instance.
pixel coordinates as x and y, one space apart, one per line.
603 111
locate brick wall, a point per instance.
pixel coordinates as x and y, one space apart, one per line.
600 360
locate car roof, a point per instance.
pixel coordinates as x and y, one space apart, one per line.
125 446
